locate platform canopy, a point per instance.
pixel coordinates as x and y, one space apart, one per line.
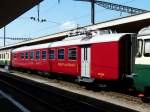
11 9
129 24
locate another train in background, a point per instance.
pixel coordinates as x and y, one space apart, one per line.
5 57
142 63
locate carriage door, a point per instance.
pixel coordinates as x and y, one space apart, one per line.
85 61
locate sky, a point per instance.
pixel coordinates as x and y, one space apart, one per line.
62 16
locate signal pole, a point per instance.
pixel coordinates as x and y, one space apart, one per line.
4 36
38 12
93 11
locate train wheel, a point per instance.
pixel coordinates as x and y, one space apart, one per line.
146 98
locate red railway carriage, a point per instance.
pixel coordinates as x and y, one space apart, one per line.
103 57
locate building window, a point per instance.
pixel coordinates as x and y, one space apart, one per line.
22 55
147 48
32 55
26 55
72 54
139 49
51 54
61 53
37 55
44 55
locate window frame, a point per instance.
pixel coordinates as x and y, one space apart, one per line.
26 55
45 54
7 54
36 54
4 56
144 54
58 53
138 56
32 54
22 54
76 54
51 53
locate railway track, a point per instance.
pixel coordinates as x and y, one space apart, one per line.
40 97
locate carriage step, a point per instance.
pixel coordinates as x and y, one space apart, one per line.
85 79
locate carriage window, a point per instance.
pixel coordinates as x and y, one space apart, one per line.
147 48
139 50
72 54
51 54
26 55
61 53
22 55
43 55
32 55
37 55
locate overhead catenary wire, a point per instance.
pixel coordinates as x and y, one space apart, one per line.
81 17
75 18
16 38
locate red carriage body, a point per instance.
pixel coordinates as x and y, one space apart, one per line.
99 57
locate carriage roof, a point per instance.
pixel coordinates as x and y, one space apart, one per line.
82 40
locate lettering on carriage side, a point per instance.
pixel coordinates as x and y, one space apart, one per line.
66 64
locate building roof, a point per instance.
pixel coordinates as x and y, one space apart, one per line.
11 9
